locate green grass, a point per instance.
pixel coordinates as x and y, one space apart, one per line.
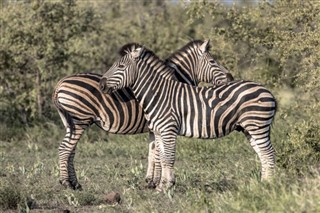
211 176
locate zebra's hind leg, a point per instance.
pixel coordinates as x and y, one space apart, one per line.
154 168
157 167
166 146
260 142
72 173
151 165
67 149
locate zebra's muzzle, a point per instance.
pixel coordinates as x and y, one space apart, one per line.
103 86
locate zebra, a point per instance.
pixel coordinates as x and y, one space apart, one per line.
80 104
192 64
173 108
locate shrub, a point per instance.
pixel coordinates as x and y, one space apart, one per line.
10 197
301 148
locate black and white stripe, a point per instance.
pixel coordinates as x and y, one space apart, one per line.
193 63
80 103
173 108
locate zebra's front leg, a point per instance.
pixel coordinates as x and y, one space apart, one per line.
67 148
166 144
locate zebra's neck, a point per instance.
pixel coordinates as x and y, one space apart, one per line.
152 82
158 66
184 71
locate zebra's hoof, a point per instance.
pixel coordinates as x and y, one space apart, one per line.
66 184
150 183
156 181
77 187
148 179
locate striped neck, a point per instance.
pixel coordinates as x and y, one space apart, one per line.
183 75
183 61
150 62
152 78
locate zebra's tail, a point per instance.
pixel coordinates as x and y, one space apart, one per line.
275 110
67 118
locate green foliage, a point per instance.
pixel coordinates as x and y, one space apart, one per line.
281 38
10 196
35 42
43 41
301 148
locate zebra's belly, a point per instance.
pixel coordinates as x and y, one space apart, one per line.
132 125
204 131
201 135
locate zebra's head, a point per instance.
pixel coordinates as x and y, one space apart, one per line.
123 71
208 70
194 63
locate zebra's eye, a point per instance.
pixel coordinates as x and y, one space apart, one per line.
212 61
121 66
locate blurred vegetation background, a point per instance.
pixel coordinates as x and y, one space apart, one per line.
275 43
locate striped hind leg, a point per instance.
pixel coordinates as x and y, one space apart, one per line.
260 141
154 168
166 146
67 149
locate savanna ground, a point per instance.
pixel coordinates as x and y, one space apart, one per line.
211 175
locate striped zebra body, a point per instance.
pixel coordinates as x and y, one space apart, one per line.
173 108
193 63
80 96
215 112
80 104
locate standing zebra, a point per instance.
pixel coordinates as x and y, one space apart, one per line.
173 108
80 103
193 63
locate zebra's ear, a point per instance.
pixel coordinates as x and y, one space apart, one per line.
205 46
137 52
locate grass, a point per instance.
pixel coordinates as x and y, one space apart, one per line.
211 176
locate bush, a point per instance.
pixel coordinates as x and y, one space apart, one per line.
10 197
300 150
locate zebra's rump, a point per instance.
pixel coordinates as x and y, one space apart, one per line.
79 97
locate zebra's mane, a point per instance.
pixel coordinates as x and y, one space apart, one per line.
193 43
132 46
167 71
125 49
